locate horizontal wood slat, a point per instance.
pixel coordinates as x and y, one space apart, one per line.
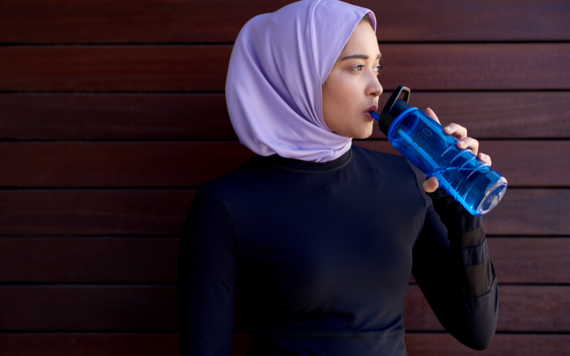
167 344
528 212
522 163
154 308
58 164
94 212
78 116
198 21
151 164
502 345
117 116
204 68
154 260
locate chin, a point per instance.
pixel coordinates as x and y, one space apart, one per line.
364 133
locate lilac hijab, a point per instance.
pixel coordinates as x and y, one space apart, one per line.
277 66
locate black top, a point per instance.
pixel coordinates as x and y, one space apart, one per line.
321 255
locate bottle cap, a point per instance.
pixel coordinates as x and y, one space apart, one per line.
393 108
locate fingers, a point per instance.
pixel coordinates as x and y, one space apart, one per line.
465 142
430 185
469 143
431 114
485 158
456 130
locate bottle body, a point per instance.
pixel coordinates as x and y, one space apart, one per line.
469 180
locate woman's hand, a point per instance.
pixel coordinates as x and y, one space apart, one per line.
460 132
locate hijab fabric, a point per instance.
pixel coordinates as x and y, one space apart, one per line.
277 67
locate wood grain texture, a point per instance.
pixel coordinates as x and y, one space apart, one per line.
65 212
168 344
191 116
509 66
94 212
522 163
154 308
65 21
538 260
118 164
81 116
189 164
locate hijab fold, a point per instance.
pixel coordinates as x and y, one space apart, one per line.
277 67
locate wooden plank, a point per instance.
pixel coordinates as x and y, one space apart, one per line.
154 308
167 344
496 115
521 309
530 66
502 345
191 116
94 212
88 260
121 68
152 21
63 212
115 116
189 164
522 163
530 212
530 260
153 260
118 164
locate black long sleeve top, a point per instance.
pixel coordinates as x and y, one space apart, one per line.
321 255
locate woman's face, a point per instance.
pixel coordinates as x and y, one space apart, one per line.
352 86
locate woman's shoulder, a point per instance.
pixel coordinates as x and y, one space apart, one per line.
250 174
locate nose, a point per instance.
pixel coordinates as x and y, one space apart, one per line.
374 86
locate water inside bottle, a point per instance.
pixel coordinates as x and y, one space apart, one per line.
458 171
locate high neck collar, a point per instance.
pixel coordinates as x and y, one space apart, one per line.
306 166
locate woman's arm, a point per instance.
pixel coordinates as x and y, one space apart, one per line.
207 278
452 267
451 259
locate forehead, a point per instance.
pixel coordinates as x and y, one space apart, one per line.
362 41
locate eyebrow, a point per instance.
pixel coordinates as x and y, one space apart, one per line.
361 56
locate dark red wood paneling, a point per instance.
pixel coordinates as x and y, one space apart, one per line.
94 212
204 68
522 163
115 116
189 164
167 344
528 212
539 260
150 21
118 164
191 116
154 308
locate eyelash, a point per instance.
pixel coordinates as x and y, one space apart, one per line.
378 67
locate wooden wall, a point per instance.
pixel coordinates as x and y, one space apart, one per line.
112 113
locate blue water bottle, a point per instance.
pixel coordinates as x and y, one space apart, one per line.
422 141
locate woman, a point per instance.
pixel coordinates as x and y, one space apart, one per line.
319 237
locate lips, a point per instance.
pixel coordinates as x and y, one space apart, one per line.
372 108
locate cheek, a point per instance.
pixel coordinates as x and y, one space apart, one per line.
342 94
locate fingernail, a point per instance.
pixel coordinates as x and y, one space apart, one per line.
432 183
448 127
462 142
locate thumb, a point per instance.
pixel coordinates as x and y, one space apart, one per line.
430 185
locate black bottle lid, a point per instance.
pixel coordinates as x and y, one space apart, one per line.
393 108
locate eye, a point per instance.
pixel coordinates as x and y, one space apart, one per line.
379 69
